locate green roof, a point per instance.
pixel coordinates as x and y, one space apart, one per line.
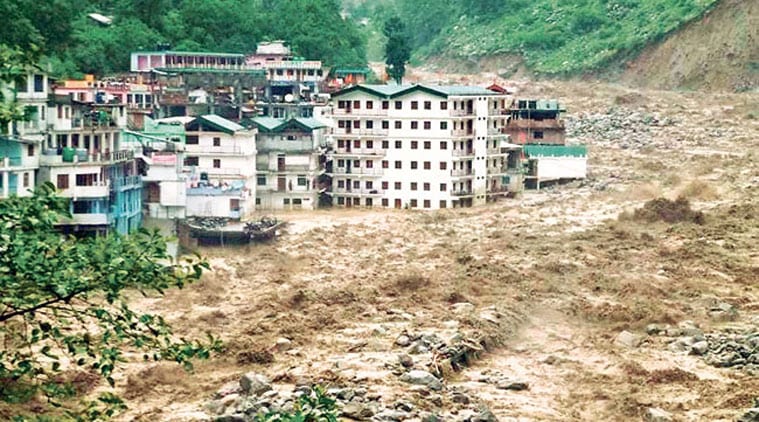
220 123
394 91
272 124
555 150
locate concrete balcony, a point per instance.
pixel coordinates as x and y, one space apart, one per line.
462 112
88 220
370 112
461 153
128 182
355 152
499 190
358 192
463 192
220 150
462 173
462 133
235 172
98 190
352 132
59 160
358 171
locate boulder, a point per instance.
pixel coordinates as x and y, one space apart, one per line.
627 339
654 414
357 411
254 384
419 377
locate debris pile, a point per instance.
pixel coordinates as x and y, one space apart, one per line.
631 129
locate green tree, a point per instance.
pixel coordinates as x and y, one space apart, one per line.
62 304
13 68
397 49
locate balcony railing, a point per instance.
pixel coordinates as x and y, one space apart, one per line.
463 192
97 190
6 162
462 112
60 159
498 190
359 171
359 192
462 152
360 151
462 172
360 132
359 112
224 171
461 133
128 181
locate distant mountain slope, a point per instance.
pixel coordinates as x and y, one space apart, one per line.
719 52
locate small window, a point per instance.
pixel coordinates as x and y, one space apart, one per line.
399 105
216 163
286 201
370 144
414 125
357 124
369 184
443 145
537 134
414 165
385 144
261 180
385 105
26 180
369 164
39 83
385 164
427 165
444 105
415 105
62 181
428 105
413 185
341 104
341 184
443 125
443 187
397 185
385 124
370 124
385 185
427 145
357 104
398 164
398 124
385 202
414 203
414 144
443 165
443 204
340 200
302 180
426 186
30 151
191 161
217 142
427 203
192 140
427 125
369 105
297 201
398 144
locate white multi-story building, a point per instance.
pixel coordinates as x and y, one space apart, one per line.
220 160
419 146
288 162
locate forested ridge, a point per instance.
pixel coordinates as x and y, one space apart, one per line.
553 37
61 32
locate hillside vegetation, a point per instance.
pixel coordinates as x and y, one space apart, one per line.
62 31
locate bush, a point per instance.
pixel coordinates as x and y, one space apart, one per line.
662 209
315 407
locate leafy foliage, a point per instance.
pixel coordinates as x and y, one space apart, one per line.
554 37
13 66
63 307
72 41
397 49
315 407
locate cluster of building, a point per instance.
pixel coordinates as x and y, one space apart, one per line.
224 135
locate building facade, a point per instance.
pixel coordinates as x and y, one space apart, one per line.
220 164
288 163
425 147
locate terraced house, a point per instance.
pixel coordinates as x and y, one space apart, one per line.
421 146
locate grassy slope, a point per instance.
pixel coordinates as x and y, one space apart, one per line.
570 37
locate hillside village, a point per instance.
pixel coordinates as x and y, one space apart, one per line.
232 136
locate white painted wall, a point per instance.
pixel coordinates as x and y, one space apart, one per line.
552 168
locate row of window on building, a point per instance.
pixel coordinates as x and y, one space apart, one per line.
398 164
369 144
385 202
397 124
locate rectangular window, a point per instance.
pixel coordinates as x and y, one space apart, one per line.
191 161
427 145
399 105
356 184
357 104
385 202
414 203
398 164
369 105
192 140
398 124
216 163
414 125
26 180
261 180
397 185
443 125
414 165
443 165
427 125
86 179
369 202
443 187
427 203
415 105
302 180
341 143
62 181
370 124
341 104
340 200
385 185
443 145
234 204
30 151
369 164
356 124
428 105
537 134
385 105
444 105
385 164
370 144
369 184
426 186
385 144
217 142
414 145
427 165
341 184
443 204
398 144
385 124
39 83
413 185
357 144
